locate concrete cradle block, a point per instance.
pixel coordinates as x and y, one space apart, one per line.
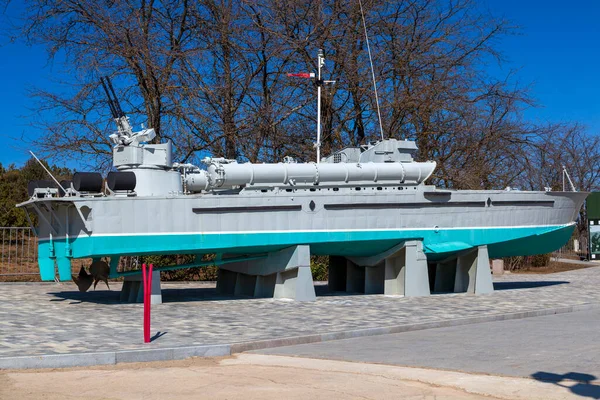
296 284
483 281
133 289
265 285
125 290
355 278
394 275
156 291
226 282
282 274
245 285
473 274
406 272
445 276
417 275
375 279
274 262
466 269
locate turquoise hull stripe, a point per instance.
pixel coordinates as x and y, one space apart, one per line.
502 242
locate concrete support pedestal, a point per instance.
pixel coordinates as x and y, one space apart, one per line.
406 272
402 270
375 279
473 273
133 289
284 274
469 272
445 275
355 278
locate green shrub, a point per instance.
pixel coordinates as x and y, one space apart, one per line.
540 260
514 263
524 262
319 266
208 273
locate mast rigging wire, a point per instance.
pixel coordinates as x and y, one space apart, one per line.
362 14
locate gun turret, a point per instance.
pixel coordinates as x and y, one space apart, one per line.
124 135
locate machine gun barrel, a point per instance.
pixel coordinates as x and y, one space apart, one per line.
113 101
125 132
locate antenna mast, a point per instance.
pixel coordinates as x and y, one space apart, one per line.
320 63
362 14
319 82
49 173
565 173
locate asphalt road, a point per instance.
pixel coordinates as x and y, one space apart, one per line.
551 348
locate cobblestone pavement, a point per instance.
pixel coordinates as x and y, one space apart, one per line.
38 319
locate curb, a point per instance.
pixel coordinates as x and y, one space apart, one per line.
219 350
113 357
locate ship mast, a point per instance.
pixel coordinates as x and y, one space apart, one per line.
319 82
320 63
362 14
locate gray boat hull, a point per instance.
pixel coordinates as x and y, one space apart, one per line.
344 221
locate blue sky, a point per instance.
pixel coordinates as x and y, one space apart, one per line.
21 68
557 51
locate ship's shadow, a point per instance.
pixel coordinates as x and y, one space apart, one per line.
186 294
526 284
169 295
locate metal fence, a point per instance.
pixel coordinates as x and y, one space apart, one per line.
18 251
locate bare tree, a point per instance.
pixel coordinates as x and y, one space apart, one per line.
139 44
211 77
567 146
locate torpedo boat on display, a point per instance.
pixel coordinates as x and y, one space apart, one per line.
368 207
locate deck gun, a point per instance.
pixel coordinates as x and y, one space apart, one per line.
124 135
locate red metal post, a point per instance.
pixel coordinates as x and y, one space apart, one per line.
149 297
146 305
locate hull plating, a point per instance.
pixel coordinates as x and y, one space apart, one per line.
502 242
346 223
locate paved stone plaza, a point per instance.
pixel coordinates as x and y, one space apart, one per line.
40 319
